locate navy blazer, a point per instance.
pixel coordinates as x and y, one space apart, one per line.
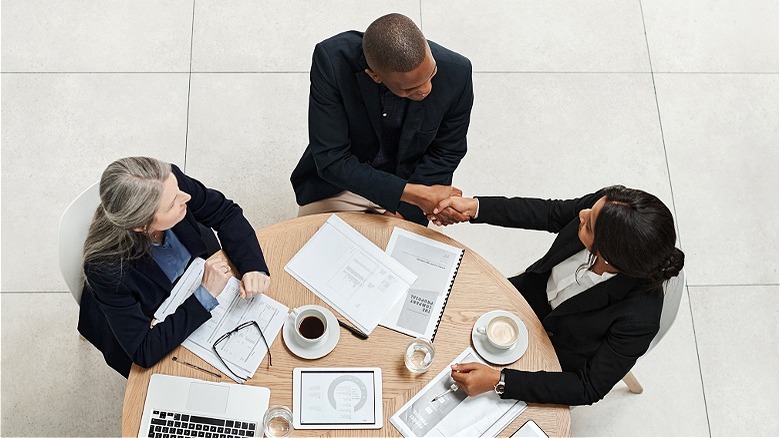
345 127
599 334
118 303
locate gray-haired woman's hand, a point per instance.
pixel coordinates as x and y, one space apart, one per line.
216 275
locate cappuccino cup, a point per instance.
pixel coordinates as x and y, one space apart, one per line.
501 332
311 325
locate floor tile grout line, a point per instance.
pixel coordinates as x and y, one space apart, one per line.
306 72
27 292
736 285
674 206
189 89
419 3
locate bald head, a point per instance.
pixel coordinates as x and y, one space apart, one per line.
393 43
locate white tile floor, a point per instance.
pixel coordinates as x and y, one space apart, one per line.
675 97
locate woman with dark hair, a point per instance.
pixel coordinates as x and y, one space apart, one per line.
152 221
598 290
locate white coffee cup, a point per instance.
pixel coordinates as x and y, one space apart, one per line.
501 332
311 325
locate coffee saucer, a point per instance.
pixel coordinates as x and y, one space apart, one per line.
322 347
495 355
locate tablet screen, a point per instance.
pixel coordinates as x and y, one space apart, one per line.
337 397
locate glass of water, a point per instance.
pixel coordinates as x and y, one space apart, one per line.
277 422
419 355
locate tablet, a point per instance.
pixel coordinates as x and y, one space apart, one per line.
337 398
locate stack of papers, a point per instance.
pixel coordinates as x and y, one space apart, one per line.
455 414
244 350
351 274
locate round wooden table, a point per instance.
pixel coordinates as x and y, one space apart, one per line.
478 288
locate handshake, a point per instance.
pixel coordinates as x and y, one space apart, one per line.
443 205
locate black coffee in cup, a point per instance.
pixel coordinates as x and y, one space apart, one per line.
311 327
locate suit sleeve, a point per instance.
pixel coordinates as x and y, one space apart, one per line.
330 144
212 209
532 213
130 326
446 151
618 353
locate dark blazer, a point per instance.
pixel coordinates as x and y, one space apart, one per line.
599 334
118 303
345 127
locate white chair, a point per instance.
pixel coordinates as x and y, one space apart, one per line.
74 226
673 290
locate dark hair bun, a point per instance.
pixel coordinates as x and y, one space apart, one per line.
673 265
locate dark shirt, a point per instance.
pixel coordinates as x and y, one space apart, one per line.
393 113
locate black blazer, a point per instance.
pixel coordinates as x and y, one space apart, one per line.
599 334
118 303
345 127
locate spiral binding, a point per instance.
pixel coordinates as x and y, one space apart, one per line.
447 297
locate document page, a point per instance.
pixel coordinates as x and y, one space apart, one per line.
350 273
435 264
455 414
244 350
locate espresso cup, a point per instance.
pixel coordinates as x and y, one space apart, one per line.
311 325
501 332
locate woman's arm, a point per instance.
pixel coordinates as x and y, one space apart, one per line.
532 213
212 209
131 327
617 354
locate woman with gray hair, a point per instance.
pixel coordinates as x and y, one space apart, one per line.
152 221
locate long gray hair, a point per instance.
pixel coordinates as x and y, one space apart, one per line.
130 191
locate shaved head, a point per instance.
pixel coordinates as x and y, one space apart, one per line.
393 43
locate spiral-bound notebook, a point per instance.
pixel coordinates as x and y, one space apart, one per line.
436 265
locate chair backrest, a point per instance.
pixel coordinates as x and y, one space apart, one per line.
74 226
673 290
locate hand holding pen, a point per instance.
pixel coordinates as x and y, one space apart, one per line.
453 388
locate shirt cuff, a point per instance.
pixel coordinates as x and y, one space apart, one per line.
206 300
476 213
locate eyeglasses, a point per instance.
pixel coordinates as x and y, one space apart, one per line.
226 336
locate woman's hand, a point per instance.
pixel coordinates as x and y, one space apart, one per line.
474 378
254 283
216 274
453 210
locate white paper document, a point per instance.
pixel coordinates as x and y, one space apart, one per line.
418 312
244 350
455 414
350 273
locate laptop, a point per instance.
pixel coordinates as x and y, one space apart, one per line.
184 407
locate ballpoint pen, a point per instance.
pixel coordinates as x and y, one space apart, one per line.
358 334
453 388
176 359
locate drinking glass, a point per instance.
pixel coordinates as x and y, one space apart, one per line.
419 355
277 422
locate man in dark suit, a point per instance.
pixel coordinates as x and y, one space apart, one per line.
388 117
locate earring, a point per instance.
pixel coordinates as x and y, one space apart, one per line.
605 261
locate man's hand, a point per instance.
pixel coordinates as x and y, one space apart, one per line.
427 197
254 283
474 378
453 210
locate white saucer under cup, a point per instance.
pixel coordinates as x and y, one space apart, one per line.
495 355
318 349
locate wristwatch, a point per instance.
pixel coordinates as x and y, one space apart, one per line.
499 388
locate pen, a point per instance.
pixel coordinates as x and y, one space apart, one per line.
176 359
357 333
453 388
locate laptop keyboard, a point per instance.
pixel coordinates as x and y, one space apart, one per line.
167 424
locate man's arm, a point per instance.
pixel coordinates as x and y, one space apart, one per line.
445 153
331 146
